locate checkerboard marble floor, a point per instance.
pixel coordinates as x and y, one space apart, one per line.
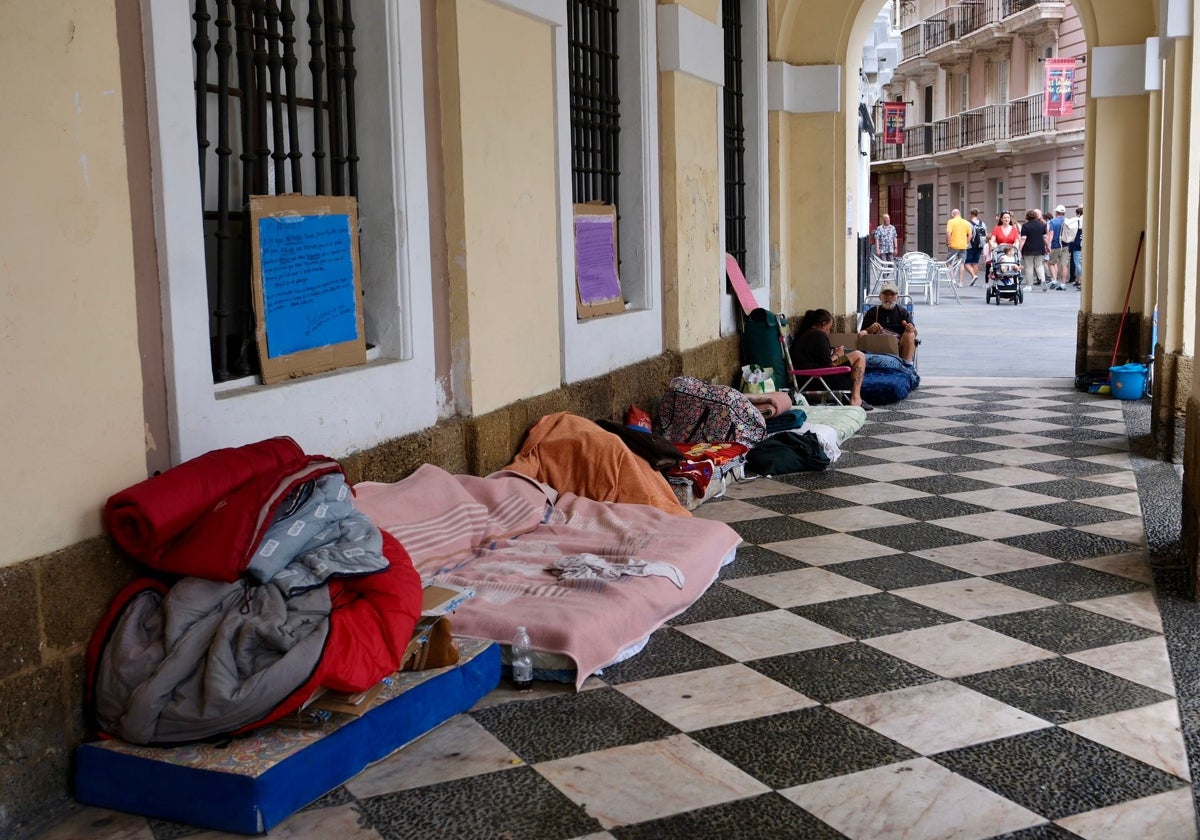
951 633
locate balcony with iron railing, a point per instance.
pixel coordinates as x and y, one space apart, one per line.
953 33
992 128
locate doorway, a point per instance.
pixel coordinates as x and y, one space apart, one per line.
925 218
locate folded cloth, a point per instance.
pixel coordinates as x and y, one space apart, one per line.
793 419
696 473
591 566
770 405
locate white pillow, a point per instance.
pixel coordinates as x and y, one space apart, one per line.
828 437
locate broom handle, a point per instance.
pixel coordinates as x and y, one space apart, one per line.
1125 311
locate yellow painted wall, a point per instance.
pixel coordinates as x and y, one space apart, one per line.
692 249
816 233
1173 215
1119 202
501 202
780 211
816 265
70 387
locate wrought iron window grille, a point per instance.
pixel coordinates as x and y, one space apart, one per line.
735 133
595 104
283 125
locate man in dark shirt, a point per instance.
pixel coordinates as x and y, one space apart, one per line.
1034 245
890 318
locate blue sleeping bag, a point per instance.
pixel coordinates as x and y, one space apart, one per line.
888 379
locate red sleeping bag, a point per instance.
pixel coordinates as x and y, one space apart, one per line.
205 519
206 516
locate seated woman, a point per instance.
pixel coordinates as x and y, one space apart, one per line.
811 349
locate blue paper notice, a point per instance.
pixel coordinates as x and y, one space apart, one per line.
308 282
596 259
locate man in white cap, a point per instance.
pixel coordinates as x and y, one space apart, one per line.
890 318
1058 251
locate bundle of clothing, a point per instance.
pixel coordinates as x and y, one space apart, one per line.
777 411
269 585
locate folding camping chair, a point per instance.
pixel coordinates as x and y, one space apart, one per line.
765 343
811 382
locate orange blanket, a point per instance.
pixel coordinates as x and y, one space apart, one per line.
574 455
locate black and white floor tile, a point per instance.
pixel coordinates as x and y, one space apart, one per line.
954 632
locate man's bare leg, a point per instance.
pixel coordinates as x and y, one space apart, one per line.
908 347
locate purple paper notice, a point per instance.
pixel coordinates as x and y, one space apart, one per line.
595 260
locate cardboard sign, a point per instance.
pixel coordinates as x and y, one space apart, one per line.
597 284
307 285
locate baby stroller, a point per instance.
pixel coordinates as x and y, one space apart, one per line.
1005 277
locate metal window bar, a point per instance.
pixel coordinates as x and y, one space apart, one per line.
1025 116
957 21
280 138
912 41
1011 7
735 133
595 104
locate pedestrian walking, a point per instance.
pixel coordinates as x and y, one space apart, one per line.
1034 244
1072 234
958 239
975 246
1058 250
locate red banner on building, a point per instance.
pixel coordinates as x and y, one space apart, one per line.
1060 78
893 123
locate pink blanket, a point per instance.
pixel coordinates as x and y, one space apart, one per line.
498 536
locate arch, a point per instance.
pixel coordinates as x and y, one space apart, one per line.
814 32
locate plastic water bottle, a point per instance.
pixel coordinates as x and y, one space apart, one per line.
522 660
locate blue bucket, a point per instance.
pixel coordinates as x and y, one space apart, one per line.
1128 381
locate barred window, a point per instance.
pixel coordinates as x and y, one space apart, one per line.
595 103
735 133
275 113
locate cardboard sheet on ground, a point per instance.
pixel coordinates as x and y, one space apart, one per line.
307 285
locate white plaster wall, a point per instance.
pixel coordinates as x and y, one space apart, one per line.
334 413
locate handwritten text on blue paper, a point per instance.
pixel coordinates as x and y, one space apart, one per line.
308 282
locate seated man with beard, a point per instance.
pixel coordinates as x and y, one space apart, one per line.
890 318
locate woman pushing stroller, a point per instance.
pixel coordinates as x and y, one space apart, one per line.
1005 279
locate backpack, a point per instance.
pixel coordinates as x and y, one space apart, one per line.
977 235
1070 230
694 411
789 452
763 335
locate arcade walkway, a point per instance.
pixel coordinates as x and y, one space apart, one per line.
959 630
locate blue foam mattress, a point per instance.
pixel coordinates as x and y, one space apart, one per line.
250 784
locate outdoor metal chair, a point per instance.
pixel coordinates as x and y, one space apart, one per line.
946 275
882 271
917 272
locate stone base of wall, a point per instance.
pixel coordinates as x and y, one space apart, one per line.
49 605
1097 336
1190 515
1172 385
